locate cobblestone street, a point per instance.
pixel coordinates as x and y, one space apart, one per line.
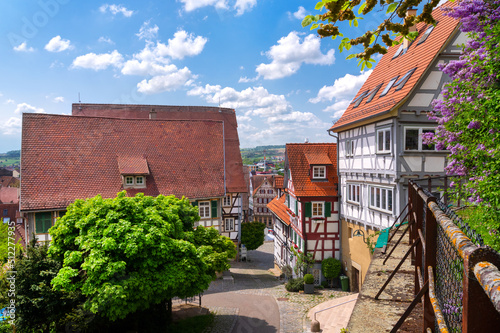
252 299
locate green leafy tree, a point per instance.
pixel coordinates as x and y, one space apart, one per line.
38 307
133 253
304 262
252 234
331 268
395 23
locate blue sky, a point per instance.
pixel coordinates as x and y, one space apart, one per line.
285 83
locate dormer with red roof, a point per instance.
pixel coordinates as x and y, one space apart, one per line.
380 133
306 215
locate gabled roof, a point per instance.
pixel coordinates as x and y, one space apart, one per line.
417 57
300 168
278 207
235 182
68 157
133 165
9 181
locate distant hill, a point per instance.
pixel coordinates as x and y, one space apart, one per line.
12 153
255 155
10 158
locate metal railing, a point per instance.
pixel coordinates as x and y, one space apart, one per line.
456 276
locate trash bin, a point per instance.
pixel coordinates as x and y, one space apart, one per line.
344 281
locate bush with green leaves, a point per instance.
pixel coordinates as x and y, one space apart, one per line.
252 234
331 268
131 253
308 279
295 285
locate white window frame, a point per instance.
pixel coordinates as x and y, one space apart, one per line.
231 220
226 201
354 193
420 141
126 181
349 147
381 198
204 208
384 149
313 209
319 172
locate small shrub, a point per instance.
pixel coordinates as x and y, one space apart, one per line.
331 268
294 285
309 279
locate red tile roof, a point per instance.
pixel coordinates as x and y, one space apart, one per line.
278 207
70 157
300 169
278 181
417 56
9 195
318 159
235 182
6 181
132 165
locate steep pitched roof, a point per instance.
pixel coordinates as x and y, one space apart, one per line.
278 207
9 181
68 157
300 168
235 181
418 56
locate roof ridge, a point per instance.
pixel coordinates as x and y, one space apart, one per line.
115 118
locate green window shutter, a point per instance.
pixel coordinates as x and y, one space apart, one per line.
288 200
43 222
214 209
195 203
328 209
296 207
308 209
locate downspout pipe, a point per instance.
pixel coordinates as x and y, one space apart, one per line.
339 196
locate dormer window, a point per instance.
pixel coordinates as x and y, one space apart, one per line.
129 180
134 181
319 172
139 180
133 171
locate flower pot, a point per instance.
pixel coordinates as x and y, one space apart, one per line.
308 288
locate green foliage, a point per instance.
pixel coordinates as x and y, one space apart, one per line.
331 268
295 285
304 262
370 242
308 279
486 221
252 234
393 25
128 254
38 307
8 230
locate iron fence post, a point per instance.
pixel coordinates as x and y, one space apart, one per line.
430 260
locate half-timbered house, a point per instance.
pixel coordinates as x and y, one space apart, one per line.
380 135
306 215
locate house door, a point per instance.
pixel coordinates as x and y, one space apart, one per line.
355 280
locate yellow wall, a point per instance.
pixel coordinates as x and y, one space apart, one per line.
355 250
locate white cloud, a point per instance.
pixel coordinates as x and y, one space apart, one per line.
257 100
107 40
58 99
182 45
98 61
242 6
57 44
300 13
23 47
12 126
170 81
25 107
190 5
147 32
10 101
56 64
290 53
339 105
246 79
345 87
116 9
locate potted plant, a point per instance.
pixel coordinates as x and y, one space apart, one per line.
308 284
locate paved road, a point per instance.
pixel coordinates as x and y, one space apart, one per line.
251 299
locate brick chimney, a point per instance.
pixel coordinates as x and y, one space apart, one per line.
410 12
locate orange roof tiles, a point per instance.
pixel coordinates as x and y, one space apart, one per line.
296 154
278 207
318 159
69 157
278 181
9 195
235 181
418 56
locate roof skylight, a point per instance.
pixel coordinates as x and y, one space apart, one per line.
425 35
373 92
400 84
389 86
358 99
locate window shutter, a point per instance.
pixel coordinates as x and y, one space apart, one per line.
195 203
296 207
288 200
214 209
328 209
308 209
